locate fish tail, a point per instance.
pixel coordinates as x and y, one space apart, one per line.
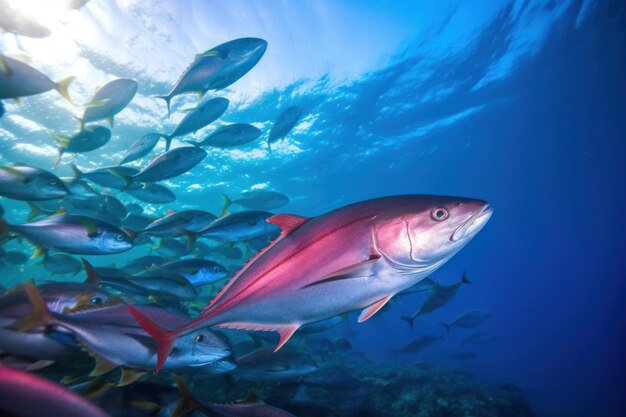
168 141
164 339
227 203
447 326
269 147
58 161
167 101
77 172
409 320
40 316
187 402
464 279
62 87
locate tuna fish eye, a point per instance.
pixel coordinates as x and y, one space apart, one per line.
439 214
200 338
119 238
216 269
96 300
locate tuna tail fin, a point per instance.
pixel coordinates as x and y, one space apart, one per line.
447 326
168 141
464 279
187 402
164 339
167 99
62 87
227 203
40 315
77 172
409 320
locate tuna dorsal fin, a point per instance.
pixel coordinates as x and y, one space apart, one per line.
361 269
371 310
287 222
34 211
92 275
129 376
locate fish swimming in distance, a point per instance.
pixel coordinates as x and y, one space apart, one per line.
170 164
69 233
88 139
286 121
257 200
218 67
206 113
468 319
109 100
26 183
362 255
141 147
438 296
18 79
229 136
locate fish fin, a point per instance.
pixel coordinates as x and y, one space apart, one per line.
93 278
168 141
148 406
167 101
362 269
371 310
250 398
169 212
41 364
447 326
285 334
212 54
77 172
164 339
39 251
464 279
187 402
258 342
287 222
90 227
96 103
62 140
58 161
62 87
193 142
129 376
191 238
40 315
4 67
102 365
69 379
34 211
269 148
17 174
409 320
111 121
227 203
133 235
17 101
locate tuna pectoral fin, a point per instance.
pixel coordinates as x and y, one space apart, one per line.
362 269
371 310
62 87
164 340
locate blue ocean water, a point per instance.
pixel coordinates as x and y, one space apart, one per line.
518 103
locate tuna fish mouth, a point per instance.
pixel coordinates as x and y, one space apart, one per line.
473 224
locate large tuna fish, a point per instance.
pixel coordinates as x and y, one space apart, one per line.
20 80
355 257
218 67
109 100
